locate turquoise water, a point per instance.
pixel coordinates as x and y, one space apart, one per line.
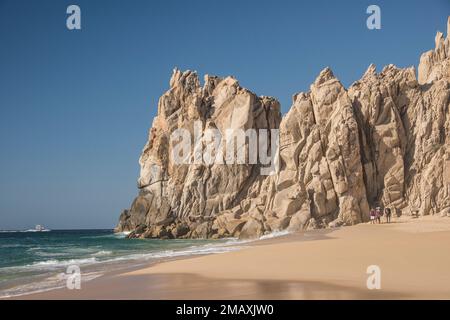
35 261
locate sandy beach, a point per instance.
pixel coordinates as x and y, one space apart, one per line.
413 256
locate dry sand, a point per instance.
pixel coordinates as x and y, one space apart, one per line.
413 254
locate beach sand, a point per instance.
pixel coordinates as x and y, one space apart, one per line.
413 256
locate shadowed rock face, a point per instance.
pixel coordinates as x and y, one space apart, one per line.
384 141
184 200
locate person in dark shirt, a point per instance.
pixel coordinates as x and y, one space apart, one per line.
388 212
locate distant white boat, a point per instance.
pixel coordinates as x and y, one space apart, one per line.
38 228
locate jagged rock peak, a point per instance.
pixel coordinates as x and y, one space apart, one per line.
188 80
371 71
434 63
448 27
389 68
324 75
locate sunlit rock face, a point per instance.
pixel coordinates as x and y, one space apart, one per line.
385 141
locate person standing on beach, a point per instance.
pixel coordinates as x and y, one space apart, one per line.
372 216
388 212
378 214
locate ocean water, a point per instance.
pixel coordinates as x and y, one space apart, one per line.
38 261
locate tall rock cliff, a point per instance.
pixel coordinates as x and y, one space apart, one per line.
384 141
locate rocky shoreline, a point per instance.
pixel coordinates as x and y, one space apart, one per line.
383 141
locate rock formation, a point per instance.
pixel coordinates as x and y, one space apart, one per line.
384 141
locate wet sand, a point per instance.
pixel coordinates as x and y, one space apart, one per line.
413 256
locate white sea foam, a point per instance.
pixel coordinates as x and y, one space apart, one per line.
102 253
121 235
62 263
55 264
29 230
194 250
274 234
49 265
51 254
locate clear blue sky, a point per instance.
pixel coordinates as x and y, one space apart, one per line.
75 106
